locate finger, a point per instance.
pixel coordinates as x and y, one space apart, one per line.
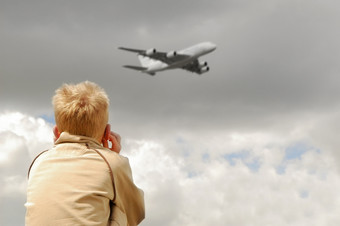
105 143
117 136
115 141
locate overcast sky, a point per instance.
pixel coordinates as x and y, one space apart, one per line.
252 142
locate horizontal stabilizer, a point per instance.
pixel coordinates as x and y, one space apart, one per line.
136 67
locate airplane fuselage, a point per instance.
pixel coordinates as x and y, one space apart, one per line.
153 61
193 52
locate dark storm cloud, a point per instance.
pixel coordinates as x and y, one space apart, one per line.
274 59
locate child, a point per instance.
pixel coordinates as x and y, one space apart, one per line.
81 181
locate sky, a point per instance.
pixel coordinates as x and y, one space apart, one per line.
252 142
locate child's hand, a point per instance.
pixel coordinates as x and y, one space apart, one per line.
114 139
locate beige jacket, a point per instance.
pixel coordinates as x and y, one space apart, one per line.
71 185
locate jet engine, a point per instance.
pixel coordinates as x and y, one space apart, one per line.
202 64
204 70
150 52
171 54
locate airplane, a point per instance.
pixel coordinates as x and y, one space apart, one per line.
153 61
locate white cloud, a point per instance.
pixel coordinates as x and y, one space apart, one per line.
21 138
190 188
192 181
35 132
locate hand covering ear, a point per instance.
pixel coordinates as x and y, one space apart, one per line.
113 138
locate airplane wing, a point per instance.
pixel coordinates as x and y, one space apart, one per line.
161 56
140 51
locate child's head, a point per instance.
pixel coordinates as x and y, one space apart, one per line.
81 109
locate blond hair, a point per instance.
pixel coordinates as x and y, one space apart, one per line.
81 109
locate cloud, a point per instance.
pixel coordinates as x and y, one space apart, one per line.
21 138
188 184
274 59
226 178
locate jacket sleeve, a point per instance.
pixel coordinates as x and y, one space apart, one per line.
129 198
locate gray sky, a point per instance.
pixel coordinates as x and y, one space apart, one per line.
273 57
273 89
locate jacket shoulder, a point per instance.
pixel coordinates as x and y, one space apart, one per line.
113 157
29 169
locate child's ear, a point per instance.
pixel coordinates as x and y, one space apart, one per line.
56 133
107 131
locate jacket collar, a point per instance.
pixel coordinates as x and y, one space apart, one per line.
66 137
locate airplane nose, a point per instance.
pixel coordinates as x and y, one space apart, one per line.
210 46
213 46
